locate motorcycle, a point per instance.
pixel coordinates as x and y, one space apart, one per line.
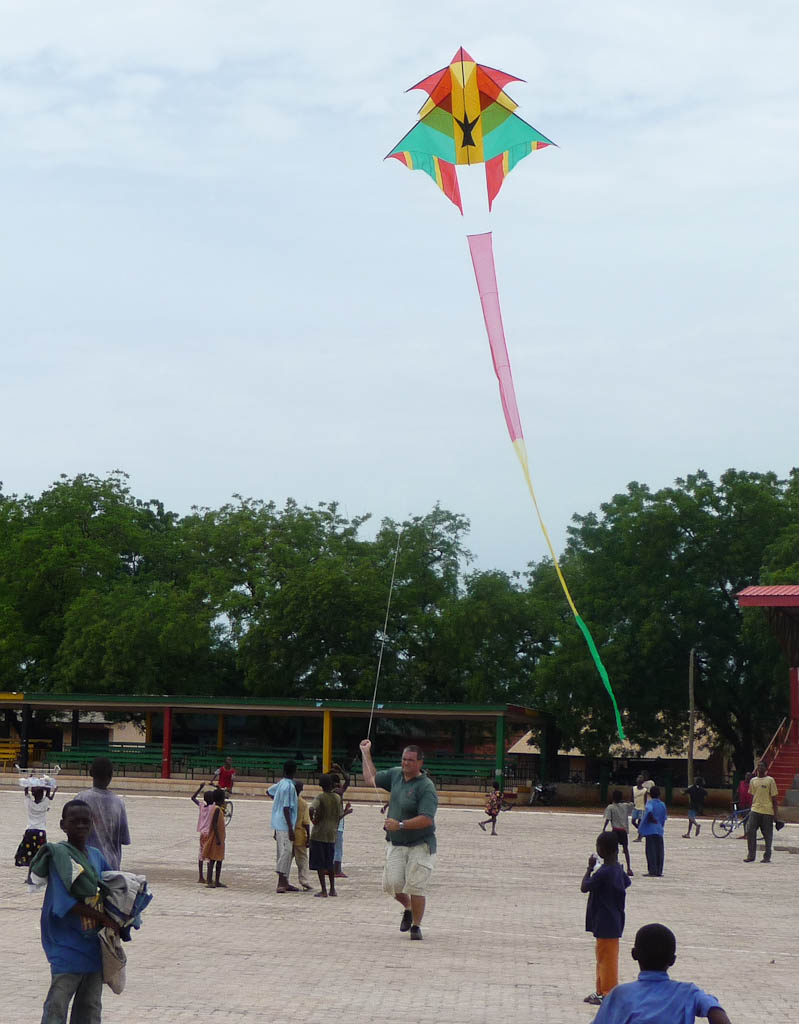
543 793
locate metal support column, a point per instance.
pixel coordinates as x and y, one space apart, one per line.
499 771
25 733
327 740
166 757
75 738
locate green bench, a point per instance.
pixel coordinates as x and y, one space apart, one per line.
121 757
477 770
265 762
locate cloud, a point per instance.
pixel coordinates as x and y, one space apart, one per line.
211 278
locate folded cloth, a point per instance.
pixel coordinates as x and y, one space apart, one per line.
126 896
114 960
72 866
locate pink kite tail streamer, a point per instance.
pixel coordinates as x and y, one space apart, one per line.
482 252
483 260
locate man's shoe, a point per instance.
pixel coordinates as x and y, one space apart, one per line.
698 826
416 931
482 825
779 825
748 860
765 860
407 920
595 999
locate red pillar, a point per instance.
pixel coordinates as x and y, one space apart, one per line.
793 735
166 759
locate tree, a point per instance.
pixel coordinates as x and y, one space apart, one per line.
655 575
80 537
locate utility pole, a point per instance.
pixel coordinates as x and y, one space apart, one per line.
691 717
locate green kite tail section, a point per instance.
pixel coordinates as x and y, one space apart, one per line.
603 672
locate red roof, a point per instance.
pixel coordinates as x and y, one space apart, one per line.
782 596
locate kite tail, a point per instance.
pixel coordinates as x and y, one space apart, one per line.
483 261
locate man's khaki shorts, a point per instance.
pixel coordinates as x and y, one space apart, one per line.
408 869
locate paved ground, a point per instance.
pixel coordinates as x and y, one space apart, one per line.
504 935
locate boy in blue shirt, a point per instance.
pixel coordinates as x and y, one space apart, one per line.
72 915
651 828
655 998
284 818
604 915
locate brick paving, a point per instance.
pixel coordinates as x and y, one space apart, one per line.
504 934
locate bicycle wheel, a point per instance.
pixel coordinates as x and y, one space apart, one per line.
228 811
722 826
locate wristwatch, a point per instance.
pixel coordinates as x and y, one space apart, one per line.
402 824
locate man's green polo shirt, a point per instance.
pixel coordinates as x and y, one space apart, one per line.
407 800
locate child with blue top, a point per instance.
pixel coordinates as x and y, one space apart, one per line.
651 828
655 998
72 915
604 915
284 818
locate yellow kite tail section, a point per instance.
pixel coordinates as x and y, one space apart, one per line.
482 253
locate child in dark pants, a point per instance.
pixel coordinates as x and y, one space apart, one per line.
493 807
604 915
655 998
72 915
326 810
697 794
652 830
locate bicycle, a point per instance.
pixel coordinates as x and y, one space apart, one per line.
227 808
725 824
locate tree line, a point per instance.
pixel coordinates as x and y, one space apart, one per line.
101 591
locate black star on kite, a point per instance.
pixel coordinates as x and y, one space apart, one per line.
466 127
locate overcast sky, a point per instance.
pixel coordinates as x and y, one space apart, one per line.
210 279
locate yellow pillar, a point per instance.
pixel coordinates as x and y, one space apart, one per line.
220 732
148 727
327 740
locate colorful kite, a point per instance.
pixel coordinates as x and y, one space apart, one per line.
469 119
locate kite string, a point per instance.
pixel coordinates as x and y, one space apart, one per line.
383 638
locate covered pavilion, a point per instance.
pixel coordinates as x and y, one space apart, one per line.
500 716
781 606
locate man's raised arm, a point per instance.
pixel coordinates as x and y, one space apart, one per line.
367 763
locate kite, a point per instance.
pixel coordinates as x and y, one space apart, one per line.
468 119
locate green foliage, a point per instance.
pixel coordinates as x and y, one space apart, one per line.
97 593
654 575
103 592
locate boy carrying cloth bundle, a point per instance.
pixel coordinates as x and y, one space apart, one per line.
72 916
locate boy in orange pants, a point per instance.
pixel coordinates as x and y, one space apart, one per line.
604 915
